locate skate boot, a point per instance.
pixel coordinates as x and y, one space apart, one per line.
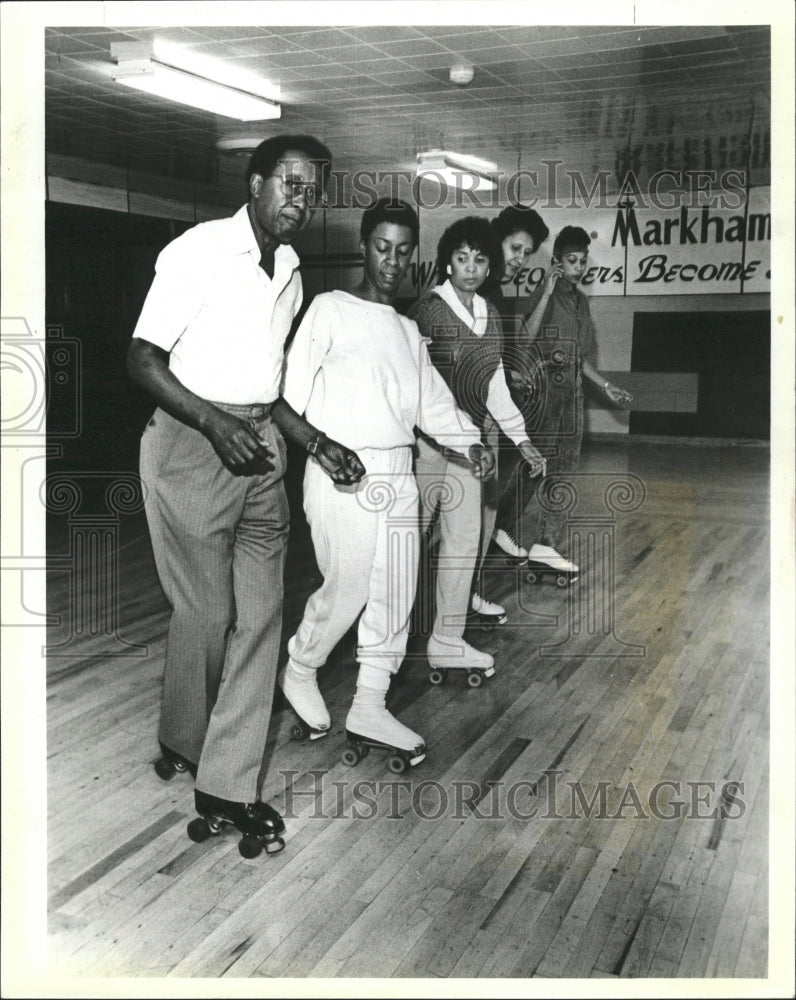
260 824
485 614
509 544
172 763
543 560
451 653
300 687
369 726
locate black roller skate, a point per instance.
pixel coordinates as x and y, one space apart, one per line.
172 763
260 824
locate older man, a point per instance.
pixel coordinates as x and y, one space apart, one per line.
209 348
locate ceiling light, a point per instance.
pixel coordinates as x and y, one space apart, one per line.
449 168
141 71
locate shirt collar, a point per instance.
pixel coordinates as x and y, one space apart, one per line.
476 322
243 240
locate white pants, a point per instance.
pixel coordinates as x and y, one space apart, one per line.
366 540
450 492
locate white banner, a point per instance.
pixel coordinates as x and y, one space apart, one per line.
642 250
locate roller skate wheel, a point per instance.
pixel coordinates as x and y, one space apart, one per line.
299 731
532 577
475 679
274 846
250 846
397 764
165 769
562 581
350 757
437 676
199 830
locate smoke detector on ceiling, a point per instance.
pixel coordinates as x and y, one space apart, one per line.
462 74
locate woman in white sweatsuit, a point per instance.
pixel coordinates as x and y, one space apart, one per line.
366 369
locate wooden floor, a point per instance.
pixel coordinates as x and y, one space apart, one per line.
541 837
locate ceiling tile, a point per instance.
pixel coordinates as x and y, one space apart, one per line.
384 33
384 90
411 47
436 61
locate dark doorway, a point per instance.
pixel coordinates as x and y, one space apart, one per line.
99 267
731 353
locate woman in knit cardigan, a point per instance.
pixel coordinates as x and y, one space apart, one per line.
465 345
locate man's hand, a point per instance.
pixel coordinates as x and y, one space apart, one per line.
482 460
237 444
537 463
339 463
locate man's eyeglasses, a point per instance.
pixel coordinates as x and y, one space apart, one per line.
295 189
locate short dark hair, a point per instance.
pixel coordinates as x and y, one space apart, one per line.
521 219
391 210
474 232
571 238
268 153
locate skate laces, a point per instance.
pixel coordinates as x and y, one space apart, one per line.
485 607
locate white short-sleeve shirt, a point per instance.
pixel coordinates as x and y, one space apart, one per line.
223 321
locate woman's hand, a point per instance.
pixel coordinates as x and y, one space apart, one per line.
482 460
537 463
551 278
619 396
520 382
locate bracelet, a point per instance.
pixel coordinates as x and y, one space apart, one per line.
314 442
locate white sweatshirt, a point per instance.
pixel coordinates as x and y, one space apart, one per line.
361 373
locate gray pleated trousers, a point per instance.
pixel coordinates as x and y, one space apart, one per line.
219 542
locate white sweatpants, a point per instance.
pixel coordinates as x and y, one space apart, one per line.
451 493
366 540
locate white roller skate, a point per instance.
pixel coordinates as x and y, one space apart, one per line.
369 726
543 560
450 653
486 614
300 687
509 544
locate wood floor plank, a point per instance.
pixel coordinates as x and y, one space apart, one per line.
729 934
531 869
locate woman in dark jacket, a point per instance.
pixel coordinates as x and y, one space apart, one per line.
520 232
466 345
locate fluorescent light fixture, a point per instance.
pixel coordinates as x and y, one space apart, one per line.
155 77
443 166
